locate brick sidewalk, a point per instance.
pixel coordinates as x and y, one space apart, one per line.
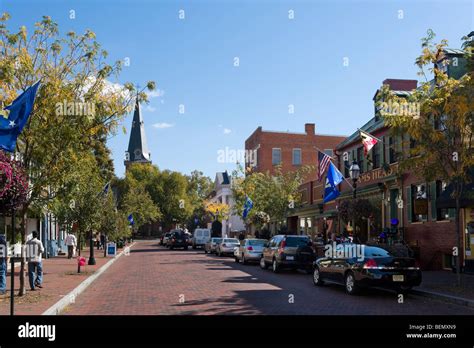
59 278
444 282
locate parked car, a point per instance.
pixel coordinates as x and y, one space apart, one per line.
164 238
249 250
201 237
210 246
178 239
377 267
226 246
190 238
288 251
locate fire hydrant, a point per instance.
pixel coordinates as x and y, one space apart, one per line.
81 261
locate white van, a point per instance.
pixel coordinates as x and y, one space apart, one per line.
201 236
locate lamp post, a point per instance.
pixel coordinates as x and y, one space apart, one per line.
354 172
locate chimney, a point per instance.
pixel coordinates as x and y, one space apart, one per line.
400 85
309 128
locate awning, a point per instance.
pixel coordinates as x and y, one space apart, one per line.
445 200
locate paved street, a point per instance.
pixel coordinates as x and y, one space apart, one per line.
155 280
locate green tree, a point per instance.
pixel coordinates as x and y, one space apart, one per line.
72 69
441 137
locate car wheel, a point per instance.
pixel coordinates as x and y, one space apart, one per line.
205 251
244 261
275 266
351 284
194 246
263 264
236 258
317 277
171 247
186 247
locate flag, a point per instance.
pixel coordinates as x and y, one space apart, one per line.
333 178
323 162
130 220
368 141
15 117
248 205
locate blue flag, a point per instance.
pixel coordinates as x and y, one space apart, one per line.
333 178
15 117
130 220
248 205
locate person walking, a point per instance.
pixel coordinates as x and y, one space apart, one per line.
71 243
3 265
35 250
102 240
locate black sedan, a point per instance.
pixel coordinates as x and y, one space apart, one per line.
357 266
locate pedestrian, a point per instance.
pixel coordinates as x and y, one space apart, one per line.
35 250
102 240
71 244
3 265
241 236
97 241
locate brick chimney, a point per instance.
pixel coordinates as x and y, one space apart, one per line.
400 85
309 128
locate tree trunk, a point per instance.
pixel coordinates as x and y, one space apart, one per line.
24 226
458 240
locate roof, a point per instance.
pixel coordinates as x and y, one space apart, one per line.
372 125
138 138
222 178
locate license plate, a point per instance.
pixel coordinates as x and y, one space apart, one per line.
398 278
290 258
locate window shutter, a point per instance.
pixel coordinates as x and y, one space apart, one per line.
434 211
382 151
408 203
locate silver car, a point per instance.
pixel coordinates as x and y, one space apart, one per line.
226 246
249 250
210 246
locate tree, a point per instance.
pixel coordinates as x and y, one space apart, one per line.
441 137
74 72
13 183
275 195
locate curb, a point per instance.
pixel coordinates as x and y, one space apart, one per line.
69 298
444 297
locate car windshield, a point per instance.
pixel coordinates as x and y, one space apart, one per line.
257 242
375 252
297 241
231 240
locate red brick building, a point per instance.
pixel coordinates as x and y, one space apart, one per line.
268 149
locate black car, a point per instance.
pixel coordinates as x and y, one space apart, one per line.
367 266
288 251
178 239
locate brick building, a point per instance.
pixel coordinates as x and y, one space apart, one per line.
291 151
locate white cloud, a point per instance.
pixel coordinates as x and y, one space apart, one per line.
155 94
150 108
227 131
163 125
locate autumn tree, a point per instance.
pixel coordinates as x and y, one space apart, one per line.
441 137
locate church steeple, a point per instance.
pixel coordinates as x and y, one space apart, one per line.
137 145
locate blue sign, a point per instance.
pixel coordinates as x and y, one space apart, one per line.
111 249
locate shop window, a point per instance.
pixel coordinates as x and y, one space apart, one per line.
441 214
419 203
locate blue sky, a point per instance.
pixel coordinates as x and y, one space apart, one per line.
282 62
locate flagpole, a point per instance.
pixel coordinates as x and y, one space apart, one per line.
317 148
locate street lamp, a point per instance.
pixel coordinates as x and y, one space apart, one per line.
354 172
91 251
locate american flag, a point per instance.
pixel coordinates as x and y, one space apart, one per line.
323 163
